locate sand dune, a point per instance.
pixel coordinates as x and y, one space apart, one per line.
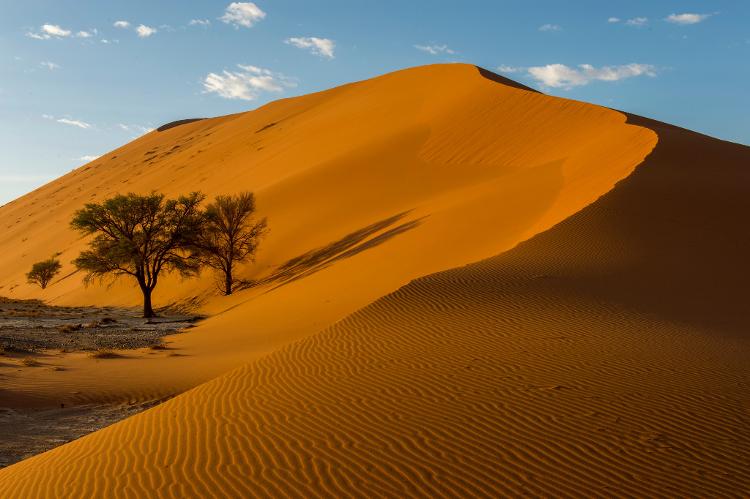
365 187
604 355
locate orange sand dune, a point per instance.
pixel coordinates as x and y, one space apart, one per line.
372 184
606 355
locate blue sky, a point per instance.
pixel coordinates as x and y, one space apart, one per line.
74 84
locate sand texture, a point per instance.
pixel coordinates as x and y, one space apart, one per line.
598 347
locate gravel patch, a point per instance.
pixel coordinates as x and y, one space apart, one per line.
30 326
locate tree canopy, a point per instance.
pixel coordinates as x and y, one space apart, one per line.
140 236
42 272
230 235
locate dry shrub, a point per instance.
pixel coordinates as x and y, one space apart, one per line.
103 353
69 328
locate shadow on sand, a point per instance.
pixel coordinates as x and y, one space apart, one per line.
320 258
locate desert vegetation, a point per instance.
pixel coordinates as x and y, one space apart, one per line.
230 235
41 273
140 236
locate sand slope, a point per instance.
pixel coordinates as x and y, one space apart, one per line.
365 187
606 356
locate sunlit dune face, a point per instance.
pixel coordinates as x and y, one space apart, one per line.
380 181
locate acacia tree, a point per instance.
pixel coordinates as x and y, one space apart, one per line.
230 235
42 272
140 236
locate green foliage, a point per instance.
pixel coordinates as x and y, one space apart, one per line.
139 236
231 235
42 272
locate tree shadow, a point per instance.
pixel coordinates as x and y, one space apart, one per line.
350 245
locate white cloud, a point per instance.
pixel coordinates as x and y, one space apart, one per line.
121 24
199 22
560 75
509 69
242 14
79 124
135 128
613 20
88 158
55 30
48 31
550 27
246 84
687 18
49 65
67 121
319 46
637 21
144 31
435 49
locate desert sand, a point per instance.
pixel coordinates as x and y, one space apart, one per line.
597 346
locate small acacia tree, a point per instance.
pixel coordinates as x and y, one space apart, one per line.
140 236
42 272
230 235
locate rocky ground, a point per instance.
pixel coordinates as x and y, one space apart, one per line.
26 433
28 326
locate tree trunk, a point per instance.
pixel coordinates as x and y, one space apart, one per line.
148 311
228 281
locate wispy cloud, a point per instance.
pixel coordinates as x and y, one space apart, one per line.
199 22
78 123
244 14
637 22
562 76
54 31
246 84
509 69
613 20
435 49
48 31
687 18
322 47
49 65
550 27
68 121
88 157
144 31
135 128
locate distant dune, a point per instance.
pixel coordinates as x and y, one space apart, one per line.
598 346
